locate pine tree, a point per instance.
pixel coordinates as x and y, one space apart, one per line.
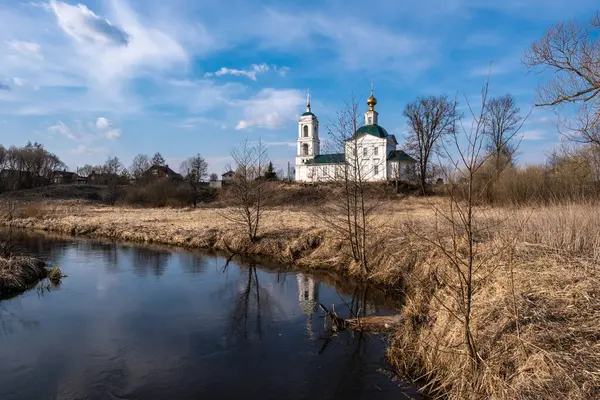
270 172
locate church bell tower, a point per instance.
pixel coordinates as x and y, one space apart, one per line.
308 143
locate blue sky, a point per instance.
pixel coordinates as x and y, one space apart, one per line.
99 78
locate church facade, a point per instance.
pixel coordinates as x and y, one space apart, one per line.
371 153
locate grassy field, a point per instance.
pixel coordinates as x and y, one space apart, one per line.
536 307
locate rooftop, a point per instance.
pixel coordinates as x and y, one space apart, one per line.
336 158
399 155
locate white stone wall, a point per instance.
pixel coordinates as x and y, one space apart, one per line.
369 154
398 170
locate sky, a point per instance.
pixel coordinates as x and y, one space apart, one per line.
101 78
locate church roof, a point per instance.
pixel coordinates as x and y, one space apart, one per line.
336 158
399 155
309 113
374 130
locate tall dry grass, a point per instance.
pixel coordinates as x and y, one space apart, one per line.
536 311
17 274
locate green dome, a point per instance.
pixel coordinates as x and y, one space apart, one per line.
309 113
374 130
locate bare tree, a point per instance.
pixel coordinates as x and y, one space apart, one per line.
159 160
3 165
501 122
459 226
113 168
194 170
248 189
430 119
213 177
350 208
85 171
572 52
140 164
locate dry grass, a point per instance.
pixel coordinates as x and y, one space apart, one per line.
538 339
18 274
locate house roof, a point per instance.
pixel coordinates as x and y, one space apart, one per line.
336 158
399 155
228 173
64 173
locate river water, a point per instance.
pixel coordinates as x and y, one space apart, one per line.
139 322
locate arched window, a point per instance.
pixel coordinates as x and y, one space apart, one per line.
305 130
305 149
315 130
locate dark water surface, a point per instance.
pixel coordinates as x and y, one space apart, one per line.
135 322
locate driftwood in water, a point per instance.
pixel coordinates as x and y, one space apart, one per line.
363 324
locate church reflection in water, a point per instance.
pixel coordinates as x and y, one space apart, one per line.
308 298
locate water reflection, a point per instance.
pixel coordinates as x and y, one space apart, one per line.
308 297
150 261
196 331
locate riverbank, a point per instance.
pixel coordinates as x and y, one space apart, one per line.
18 274
536 308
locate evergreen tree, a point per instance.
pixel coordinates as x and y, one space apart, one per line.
270 172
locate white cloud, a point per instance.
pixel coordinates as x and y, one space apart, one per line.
62 129
19 81
113 134
27 48
89 150
106 131
241 125
249 73
281 71
84 25
108 52
102 123
86 132
270 109
533 134
357 43
274 144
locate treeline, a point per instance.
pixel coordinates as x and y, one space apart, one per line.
27 167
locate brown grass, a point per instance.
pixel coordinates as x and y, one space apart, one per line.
18 274
537 339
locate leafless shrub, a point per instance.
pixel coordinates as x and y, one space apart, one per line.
350 206
248 189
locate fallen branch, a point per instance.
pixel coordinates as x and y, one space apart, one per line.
373 323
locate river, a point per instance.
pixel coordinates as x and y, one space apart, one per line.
142 322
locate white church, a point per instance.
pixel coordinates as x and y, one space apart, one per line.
371 151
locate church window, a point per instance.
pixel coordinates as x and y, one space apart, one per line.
305 130
305 149
376 151
370 120
365 151
376 170
315 129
